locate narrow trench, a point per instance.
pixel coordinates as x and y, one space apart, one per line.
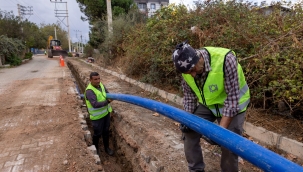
118 162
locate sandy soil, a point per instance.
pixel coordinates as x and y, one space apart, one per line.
141 131
40 130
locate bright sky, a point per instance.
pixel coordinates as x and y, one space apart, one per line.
44 12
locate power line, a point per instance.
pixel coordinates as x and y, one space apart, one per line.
22 11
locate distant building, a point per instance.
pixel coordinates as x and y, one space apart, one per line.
149 7
267 10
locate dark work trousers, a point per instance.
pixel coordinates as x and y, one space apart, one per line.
101 128
193 150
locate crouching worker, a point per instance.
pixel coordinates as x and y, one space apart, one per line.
214 88
99 111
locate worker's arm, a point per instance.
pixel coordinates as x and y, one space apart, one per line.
109 100
225 121
92 98
231 85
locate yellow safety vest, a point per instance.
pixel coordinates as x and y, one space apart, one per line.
97 113
212 92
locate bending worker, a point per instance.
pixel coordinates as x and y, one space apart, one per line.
99 111
214 88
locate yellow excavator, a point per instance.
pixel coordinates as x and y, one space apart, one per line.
54 48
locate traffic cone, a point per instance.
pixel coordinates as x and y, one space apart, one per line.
61 61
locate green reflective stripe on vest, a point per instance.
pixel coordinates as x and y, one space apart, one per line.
97 113
213 92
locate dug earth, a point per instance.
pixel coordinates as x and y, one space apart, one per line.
142 139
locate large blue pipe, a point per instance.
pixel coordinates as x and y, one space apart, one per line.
254 153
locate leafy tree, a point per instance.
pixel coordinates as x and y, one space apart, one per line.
97 33
26 31
96 13
96 9
10 25
32 35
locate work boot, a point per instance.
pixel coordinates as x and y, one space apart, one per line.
96 143
106 145
109 151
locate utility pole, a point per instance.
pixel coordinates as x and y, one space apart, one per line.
20 17
23 10
77 39
81 44
63 14
109 17
109 21
55 33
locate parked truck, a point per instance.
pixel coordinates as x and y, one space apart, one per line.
54 48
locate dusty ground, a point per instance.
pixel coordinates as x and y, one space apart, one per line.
285 125
268 119
39 128
144 131
40 131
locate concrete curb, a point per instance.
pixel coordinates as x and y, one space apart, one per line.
88 137
273 139
257 133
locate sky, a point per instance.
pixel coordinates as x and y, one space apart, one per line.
44 12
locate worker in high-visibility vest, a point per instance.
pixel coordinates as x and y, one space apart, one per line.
214 88
99 110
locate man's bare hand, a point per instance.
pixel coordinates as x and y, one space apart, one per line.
225 121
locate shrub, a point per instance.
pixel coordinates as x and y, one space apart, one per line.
112 46
10 47
28 55
269 48
14 60
88 50
69 54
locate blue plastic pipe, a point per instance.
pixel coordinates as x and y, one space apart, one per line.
254 153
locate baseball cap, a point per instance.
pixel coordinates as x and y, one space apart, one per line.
184 57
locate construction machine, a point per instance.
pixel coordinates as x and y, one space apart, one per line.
54 48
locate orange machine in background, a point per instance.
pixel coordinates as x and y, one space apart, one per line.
54 48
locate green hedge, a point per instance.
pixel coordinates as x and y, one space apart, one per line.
10 49
268 47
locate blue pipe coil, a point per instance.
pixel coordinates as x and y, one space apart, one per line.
254 153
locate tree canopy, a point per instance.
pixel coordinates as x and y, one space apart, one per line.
30 33
95 10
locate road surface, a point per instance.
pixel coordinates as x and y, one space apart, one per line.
39 129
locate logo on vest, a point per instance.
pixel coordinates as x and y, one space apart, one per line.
213 88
